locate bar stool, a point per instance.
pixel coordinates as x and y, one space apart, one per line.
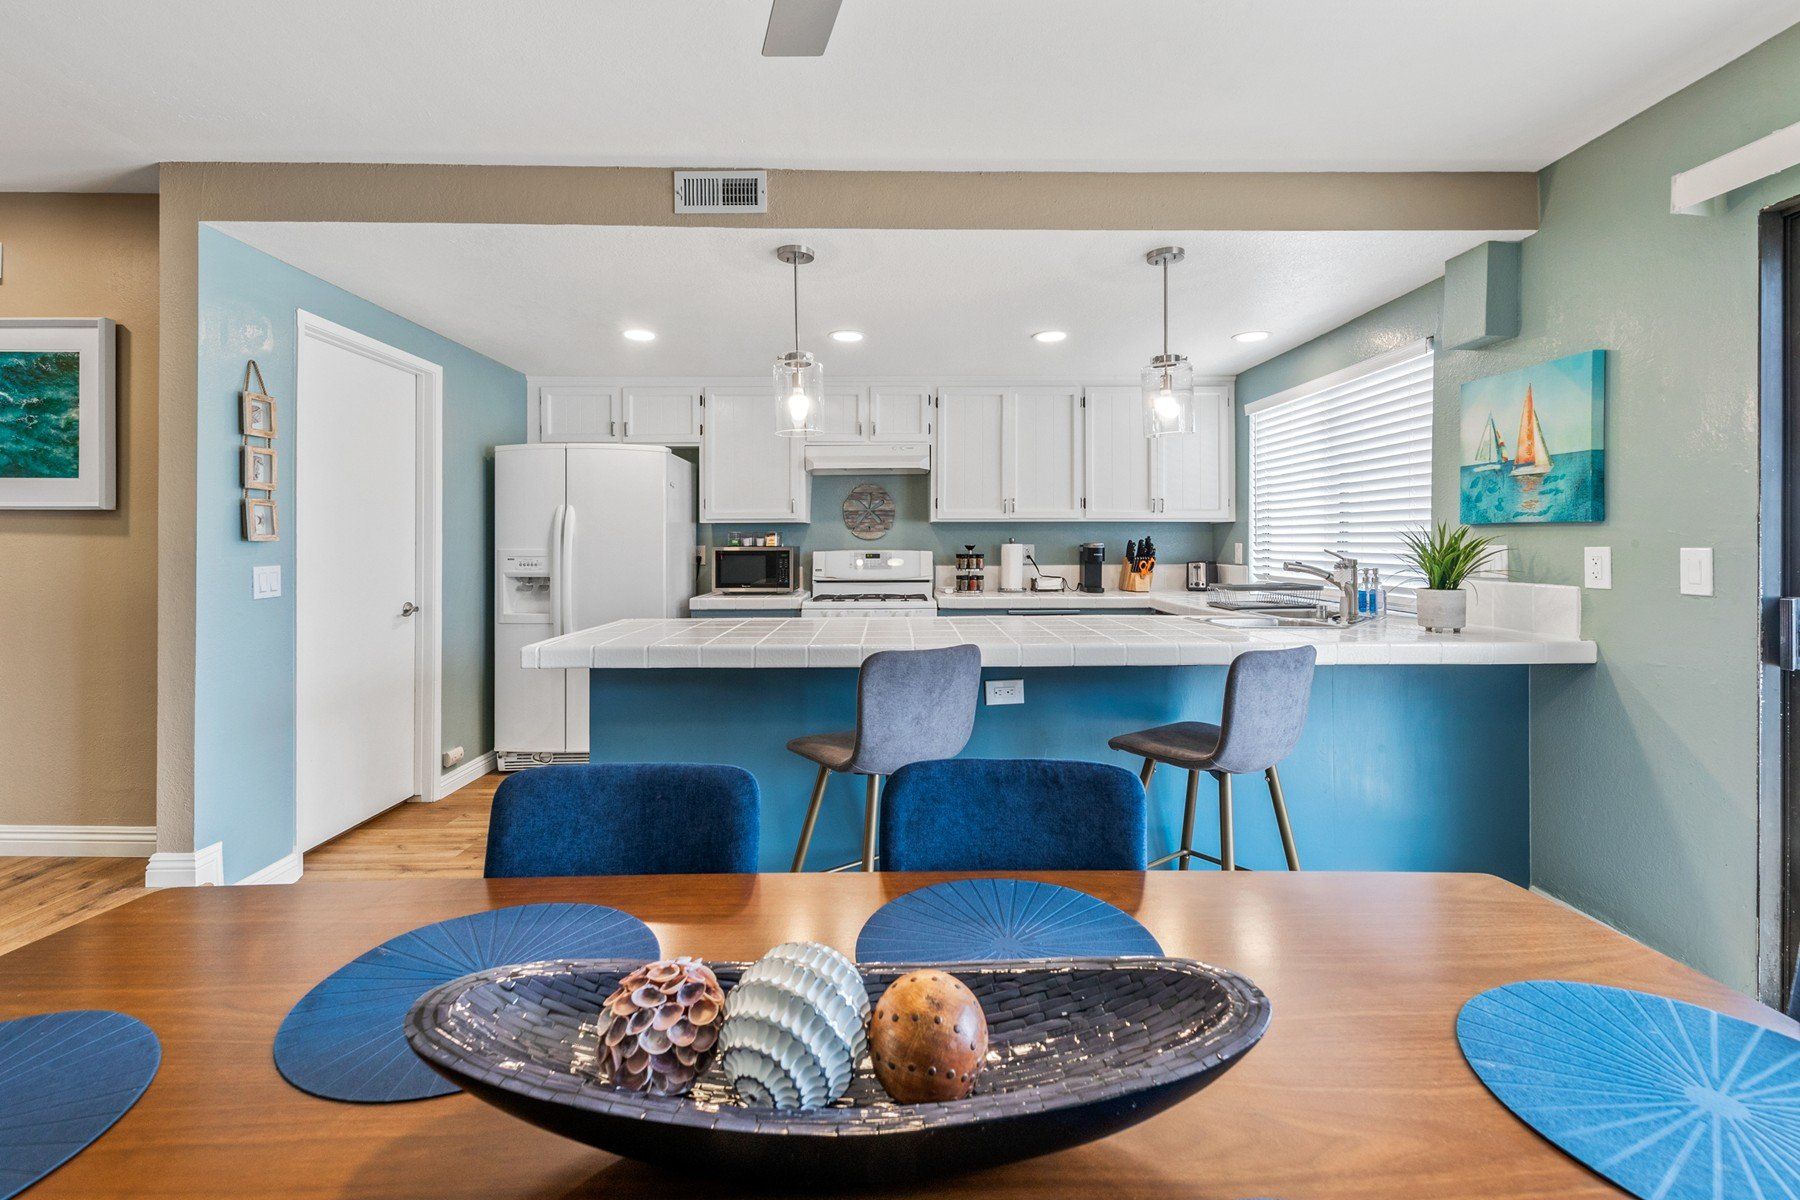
1266 694
911 706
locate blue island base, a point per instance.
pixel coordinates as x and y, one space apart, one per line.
1404 768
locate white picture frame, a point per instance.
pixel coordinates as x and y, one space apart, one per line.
94 481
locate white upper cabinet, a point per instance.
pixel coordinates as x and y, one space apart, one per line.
1193 474
969 473
1118 456
899 413
841 416
577 412
748 472
660 416
1045 439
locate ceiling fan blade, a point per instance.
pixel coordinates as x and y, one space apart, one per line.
799 28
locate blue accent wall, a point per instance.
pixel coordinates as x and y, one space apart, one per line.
1400 768
244 649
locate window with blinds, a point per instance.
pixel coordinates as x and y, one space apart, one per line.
1343 463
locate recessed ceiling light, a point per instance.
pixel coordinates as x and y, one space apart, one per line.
640 335
1251 335
1049 336
846 335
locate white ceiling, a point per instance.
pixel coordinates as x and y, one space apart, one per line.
97 89
555 299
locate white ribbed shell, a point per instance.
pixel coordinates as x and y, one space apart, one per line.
794 1030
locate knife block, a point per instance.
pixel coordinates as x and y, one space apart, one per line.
1136 581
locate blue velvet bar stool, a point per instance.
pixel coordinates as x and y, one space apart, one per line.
1266 694
911 705
1012 814
624 819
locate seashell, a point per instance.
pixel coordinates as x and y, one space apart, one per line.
632 1043
794 1027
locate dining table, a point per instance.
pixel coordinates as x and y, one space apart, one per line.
1357 1090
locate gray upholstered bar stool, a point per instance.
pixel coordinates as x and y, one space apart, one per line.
1266 693
911 706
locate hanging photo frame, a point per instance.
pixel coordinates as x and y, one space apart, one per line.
259 468
260 524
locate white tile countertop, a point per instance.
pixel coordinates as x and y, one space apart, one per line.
1090 640
746 601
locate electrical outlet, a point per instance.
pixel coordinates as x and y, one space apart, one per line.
1696 571
1006 691
265 582
1237 553
1596 569
452 757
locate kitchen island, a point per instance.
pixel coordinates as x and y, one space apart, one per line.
1415 755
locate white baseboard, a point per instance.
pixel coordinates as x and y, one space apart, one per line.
461 777
78 841
285 869
199 868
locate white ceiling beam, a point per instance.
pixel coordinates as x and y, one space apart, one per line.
1700 191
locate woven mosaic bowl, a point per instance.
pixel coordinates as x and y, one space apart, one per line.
1078 1049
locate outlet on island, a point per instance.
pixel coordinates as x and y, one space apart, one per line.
1006 691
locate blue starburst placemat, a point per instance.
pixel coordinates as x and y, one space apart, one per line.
343 1040
65 1077
1668 1100
986 920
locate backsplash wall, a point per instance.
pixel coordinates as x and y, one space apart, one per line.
1056 541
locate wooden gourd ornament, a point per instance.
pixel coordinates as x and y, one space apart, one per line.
928 1038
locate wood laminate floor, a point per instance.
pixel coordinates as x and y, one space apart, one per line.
39 896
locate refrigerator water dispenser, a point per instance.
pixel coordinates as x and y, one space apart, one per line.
525 590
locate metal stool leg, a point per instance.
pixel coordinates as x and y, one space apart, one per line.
1187 821
1281 819
1227 854
812 818
871 819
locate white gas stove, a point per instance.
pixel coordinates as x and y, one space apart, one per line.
864 583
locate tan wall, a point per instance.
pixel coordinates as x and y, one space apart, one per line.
78 589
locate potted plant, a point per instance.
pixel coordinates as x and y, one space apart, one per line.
1444 557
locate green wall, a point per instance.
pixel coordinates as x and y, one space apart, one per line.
1643 768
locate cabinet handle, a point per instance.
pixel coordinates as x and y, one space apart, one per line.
612 429
628 427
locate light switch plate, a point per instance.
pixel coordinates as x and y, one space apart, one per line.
1696 571
1596 568
1006 691
265 582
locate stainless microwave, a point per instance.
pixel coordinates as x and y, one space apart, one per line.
754 569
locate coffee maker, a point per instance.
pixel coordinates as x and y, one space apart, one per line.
1092 557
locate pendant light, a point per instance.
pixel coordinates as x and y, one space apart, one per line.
799 378
1168 382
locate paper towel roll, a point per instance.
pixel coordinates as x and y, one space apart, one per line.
1012 567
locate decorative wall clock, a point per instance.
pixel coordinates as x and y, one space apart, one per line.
869 511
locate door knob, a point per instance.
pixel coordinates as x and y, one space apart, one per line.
408 609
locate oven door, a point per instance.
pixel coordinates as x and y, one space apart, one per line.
753 568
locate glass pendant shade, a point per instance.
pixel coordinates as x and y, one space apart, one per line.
1168 385
799 390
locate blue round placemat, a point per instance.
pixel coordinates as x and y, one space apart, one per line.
343 1041
1668 1100
65 1077
990 920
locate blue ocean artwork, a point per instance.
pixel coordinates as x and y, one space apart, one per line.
1533 446
40 414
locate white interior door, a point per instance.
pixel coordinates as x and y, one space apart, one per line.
357 552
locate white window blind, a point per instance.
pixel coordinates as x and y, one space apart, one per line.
1343 463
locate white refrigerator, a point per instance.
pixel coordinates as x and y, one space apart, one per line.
583 534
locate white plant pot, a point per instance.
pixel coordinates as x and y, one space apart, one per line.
1442 611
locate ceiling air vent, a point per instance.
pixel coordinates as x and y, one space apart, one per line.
721 191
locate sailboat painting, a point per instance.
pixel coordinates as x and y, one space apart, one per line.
1554 468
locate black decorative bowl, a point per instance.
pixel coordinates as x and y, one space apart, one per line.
1078 1049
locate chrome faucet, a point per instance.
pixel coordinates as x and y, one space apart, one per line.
1343 574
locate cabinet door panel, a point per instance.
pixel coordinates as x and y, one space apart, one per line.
969 476
899 413
840 414
1194 476
661 416
577 413
1118 455
1045 432
748 472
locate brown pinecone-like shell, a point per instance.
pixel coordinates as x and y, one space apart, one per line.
660 1027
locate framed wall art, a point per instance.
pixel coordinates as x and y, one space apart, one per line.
58 413
259 520
1534 444
258 415
259 468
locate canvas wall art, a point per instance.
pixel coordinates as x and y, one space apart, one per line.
56 413
1533 447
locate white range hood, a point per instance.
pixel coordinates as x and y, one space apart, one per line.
869 458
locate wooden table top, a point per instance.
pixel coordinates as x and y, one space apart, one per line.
1357 1091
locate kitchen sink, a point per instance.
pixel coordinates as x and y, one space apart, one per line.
1270 622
